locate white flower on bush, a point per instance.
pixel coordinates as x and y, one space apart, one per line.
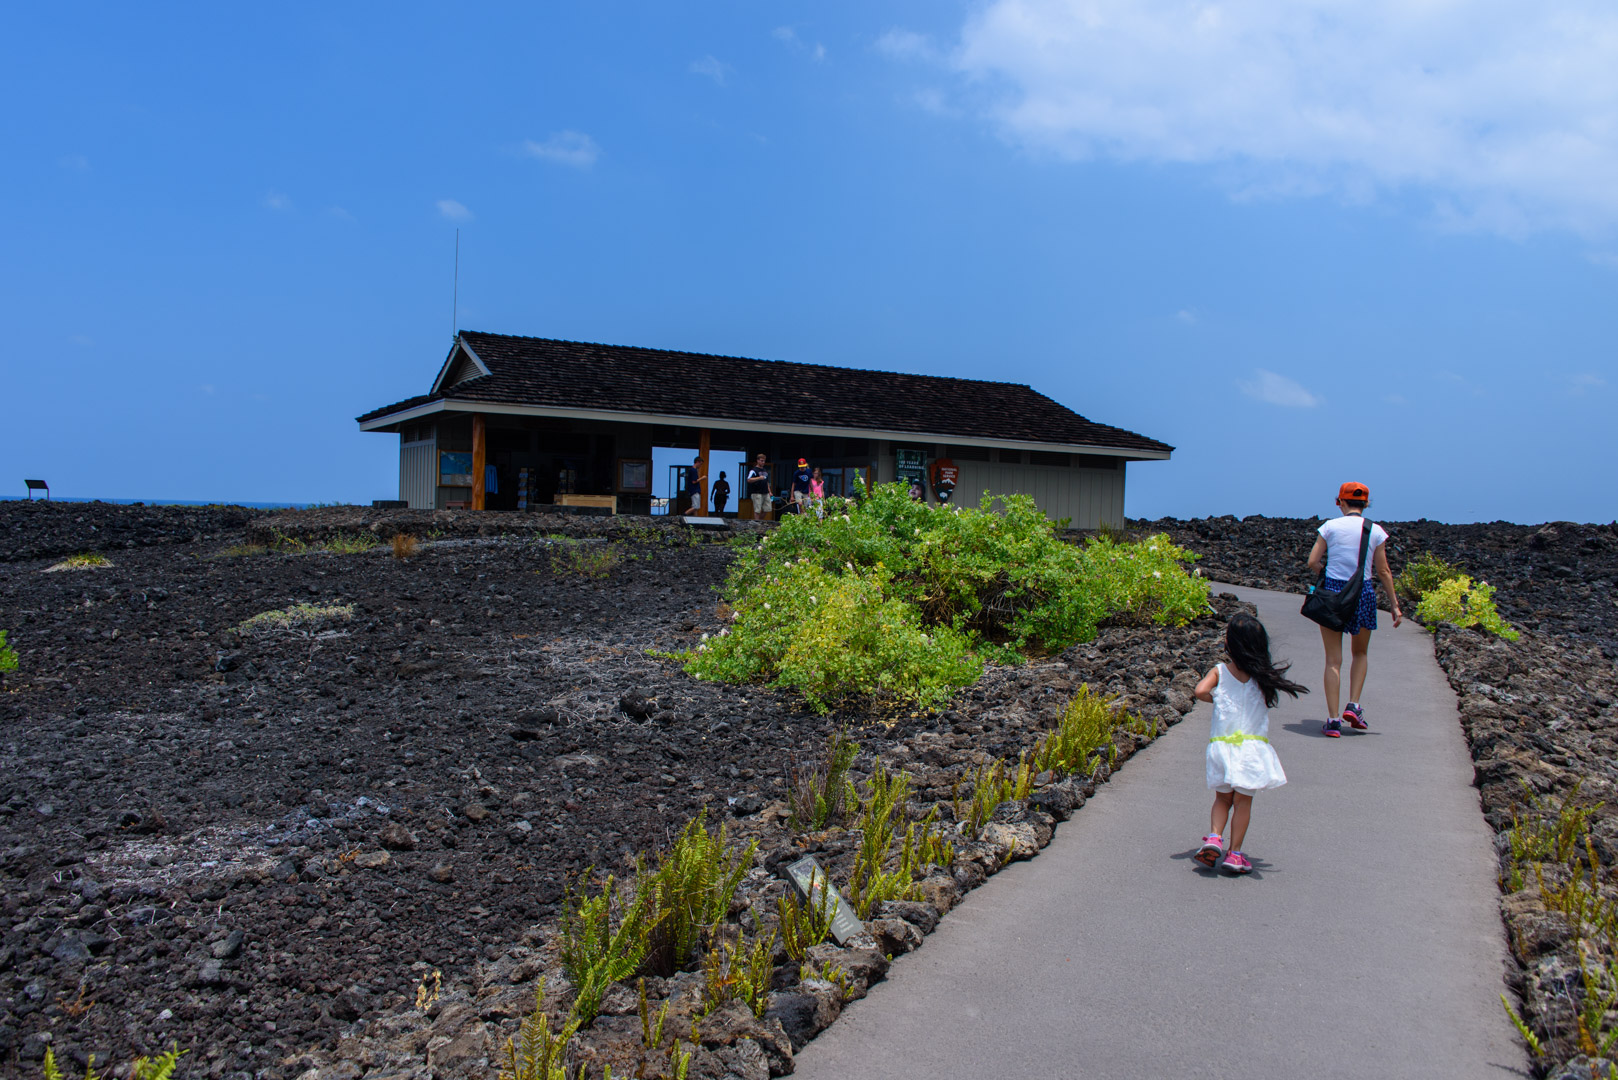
813 600
1157 574
766 605
704 636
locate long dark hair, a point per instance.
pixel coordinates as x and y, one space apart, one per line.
1248 644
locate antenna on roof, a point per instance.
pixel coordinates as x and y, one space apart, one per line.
455 294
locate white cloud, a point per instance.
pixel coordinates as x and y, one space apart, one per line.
817 51
82 340
1275 389
1187 316
1585 382
907 45
1604 258
711 68
1504 114
339 213
75 162
572 148
453 210
277 201
1397 399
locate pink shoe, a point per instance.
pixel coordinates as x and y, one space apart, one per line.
1237 863
1210 851
1355 716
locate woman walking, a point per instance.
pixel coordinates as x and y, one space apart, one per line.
1337 550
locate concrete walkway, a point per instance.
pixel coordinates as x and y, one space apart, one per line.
1366 944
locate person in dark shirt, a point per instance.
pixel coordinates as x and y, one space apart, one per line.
721 494
758 488
800 483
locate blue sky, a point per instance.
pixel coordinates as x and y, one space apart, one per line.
1302 243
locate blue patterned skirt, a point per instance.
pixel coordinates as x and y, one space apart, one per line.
1365 614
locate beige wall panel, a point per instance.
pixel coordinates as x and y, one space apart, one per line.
418 462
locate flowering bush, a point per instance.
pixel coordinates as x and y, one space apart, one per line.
899 600
1460 602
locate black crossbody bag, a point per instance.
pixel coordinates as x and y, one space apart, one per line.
1335 610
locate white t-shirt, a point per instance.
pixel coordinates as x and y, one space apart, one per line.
1343 546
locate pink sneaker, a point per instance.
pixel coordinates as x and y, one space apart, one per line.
1355 716
1210 851
1237 863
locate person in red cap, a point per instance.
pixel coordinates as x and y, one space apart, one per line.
800 484
1337 549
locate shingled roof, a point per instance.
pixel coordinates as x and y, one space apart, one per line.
543 373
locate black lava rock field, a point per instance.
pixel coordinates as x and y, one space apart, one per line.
253 790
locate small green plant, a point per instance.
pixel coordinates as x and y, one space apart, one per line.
350 543
869 882
1596 1039
835 975
925 845
991 786
603 939
1461 602
1527 1033
8 656
804 925
90 560
739 973
537 1052
299 617
578 558
160 1067
1425 573
1076 743
821 794
689 894
282 544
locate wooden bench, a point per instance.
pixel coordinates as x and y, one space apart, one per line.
610 502
38 485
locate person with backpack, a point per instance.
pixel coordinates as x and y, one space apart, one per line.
1346 547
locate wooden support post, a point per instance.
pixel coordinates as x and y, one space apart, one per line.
480 455
702 472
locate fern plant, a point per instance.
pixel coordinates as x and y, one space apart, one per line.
1086 726
160 1067
822 794
602 940
869 883
8 656
690 893
740 973
537 1052
805 925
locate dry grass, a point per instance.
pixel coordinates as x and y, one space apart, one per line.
405 546
299 617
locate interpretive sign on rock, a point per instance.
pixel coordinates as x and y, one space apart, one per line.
810 881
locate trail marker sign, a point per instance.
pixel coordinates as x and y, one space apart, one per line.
810 882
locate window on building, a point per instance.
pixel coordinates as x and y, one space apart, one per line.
1045 457
968 453
1098 461
1008 457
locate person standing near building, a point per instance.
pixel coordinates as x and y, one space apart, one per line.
800 484
758 488
721 494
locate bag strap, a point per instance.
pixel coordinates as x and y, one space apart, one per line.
1365 545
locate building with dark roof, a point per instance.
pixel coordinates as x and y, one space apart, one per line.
518 422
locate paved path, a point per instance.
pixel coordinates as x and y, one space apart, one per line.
1366 944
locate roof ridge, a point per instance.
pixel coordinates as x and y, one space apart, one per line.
751 359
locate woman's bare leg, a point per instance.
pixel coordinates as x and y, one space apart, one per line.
1333 640
1359 664
1238 824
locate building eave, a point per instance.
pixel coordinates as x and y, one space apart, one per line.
391 420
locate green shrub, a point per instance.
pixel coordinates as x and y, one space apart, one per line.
739 973
578 558
805 925
160 1067
1460 602
833 636
1425 573
869 882
899 601
8 656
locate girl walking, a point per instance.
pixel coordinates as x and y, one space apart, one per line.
1241 761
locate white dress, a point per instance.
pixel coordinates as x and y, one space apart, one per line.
1239 750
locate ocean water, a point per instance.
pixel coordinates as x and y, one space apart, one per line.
166 502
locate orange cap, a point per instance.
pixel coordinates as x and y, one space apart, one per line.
1353 492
